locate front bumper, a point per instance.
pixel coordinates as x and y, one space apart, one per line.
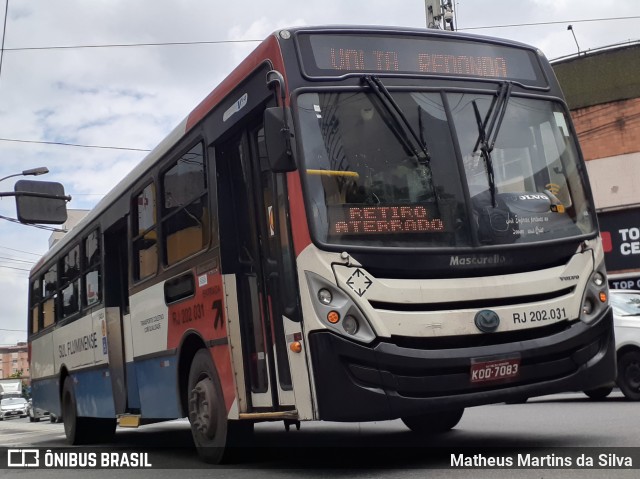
391 379
13 413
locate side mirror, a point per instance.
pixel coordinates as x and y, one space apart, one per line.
278 140
41 202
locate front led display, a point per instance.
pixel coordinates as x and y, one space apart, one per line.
336 55
359 220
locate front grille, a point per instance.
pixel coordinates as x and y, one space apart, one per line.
482 339
472 304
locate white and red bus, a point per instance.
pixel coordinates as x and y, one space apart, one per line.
357 224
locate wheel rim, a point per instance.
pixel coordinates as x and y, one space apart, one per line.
202 408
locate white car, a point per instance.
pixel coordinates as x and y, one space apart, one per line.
626 321
13 407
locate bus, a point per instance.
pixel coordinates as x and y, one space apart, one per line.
357 224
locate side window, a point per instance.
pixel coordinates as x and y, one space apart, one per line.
70 282
49 284
185 215
145 241
91 269
35 299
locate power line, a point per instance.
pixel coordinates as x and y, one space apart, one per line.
13 330
22 251
4 32
552 23
19 269
77 145
127 45
222 42
8 258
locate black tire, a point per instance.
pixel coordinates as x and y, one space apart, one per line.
102 429
600 393
435 422
207 411
75 428
629 375
32 419
82 430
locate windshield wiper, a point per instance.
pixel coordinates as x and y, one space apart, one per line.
488 130
421 153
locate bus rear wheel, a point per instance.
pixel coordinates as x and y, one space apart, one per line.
75 428
435 422
207 411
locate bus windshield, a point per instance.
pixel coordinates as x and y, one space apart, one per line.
366 186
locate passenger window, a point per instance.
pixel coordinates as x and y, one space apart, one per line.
92 271
145 243
70 282
185 216
36 297
71 299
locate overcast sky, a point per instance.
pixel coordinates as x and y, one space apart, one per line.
131 97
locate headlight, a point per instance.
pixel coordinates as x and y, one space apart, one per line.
350 325
325 296
337 311
596 295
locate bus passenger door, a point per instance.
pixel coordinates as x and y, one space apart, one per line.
246 257
116 274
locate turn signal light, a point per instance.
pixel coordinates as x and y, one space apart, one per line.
333 317
296 346
603 297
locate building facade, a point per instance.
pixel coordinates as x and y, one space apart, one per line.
602 88
14 359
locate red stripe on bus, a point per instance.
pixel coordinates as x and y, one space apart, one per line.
299 224
267 50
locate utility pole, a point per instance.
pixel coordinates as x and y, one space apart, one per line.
439 14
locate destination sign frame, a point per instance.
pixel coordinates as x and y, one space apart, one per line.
339 54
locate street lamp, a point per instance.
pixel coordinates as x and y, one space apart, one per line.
42 170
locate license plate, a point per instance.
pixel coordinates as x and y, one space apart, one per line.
505 369
13 413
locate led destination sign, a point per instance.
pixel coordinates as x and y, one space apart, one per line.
382 220
336 55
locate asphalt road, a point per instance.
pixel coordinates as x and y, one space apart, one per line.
553 429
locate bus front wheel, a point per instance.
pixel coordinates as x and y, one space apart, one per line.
434 422
598 394
207 411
